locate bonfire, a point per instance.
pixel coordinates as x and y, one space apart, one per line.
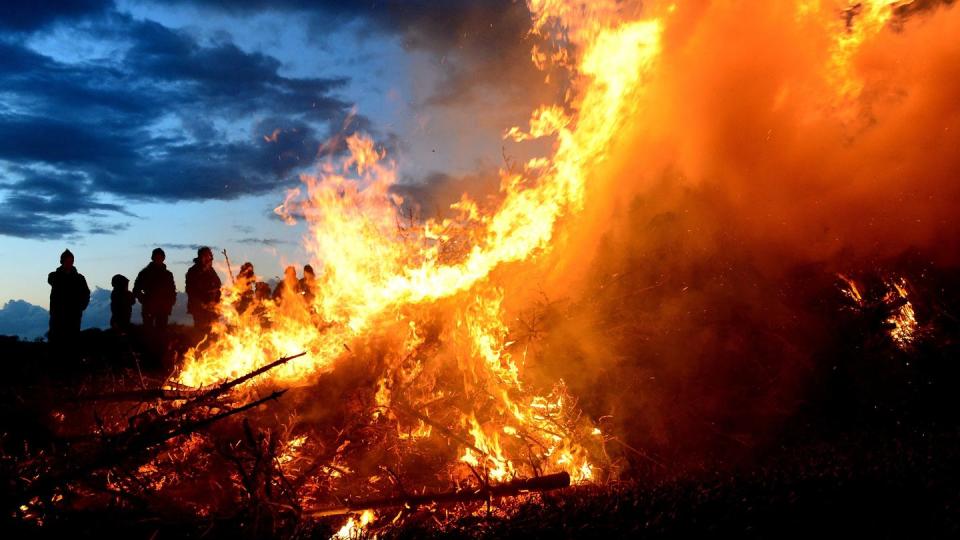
409 382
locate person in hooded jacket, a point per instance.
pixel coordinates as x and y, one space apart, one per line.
155 290
69 296
121 303
288 287
245 282
203 290
308 285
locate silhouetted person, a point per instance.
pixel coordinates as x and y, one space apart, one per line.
288 286
121 303
308 285
262 291
69 296
203 290
246 280
156 291
261 295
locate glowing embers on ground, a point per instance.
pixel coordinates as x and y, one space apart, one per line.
355 526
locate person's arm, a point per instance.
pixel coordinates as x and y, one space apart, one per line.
191 283
84 293
217 292
171 290
138 287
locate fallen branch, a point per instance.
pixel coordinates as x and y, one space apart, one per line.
483 493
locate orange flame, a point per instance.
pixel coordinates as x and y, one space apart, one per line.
380 278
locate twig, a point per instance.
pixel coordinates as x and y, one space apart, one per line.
446 431
223 388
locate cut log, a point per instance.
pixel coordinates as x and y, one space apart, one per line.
483 493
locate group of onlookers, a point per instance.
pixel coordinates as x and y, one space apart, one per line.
156 291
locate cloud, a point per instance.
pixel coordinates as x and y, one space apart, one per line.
24 225
29 16
35 203
263 241
21 318
223 76
72 133
158 120
191 247
113 228
29 321
480 46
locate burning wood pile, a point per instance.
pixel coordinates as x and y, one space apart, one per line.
411 387
187 455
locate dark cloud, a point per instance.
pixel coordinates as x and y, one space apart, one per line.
112 228
29 16
26 138
24 225
35 203
97 125
479 45
425 24
191 247
270 242
223 76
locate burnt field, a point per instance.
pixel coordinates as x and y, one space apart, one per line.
103 444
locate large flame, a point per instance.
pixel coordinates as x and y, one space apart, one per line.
433 294
382 278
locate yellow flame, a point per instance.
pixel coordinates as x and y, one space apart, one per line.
904 321
852 23
355 526
852 291
378 274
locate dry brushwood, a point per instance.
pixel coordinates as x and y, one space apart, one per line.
145 433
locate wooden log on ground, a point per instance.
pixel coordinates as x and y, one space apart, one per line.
483 493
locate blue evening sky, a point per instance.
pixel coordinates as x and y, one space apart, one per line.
130 125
